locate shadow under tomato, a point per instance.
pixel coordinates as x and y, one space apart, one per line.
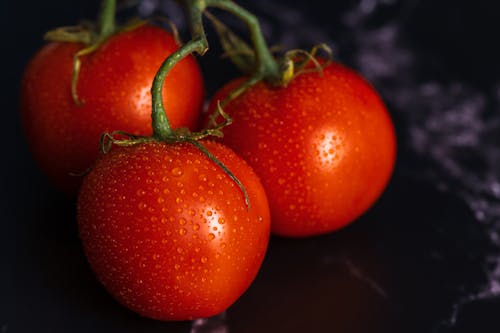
339 282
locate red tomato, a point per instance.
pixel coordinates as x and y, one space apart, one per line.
114 83
323 147
168 233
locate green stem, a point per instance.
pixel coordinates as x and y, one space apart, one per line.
195 10
199 44
267 66
107 18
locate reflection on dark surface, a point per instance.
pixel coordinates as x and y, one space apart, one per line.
215 324
426 258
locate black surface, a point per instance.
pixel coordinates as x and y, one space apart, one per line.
424 259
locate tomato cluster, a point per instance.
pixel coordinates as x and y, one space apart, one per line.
176 226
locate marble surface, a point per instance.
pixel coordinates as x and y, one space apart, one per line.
425 258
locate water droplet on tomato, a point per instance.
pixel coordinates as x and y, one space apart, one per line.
182 221
182 231
211 236
176 172
204 260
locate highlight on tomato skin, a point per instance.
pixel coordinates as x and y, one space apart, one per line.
114 86
324 147
168 233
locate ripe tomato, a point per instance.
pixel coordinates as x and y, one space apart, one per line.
168 233
323 147
114 84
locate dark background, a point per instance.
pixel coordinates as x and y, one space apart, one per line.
424 259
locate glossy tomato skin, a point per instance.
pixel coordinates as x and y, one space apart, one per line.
168 233
114 84
324 147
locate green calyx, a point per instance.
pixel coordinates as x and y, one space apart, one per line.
91 35
297 62
174 136
259 64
